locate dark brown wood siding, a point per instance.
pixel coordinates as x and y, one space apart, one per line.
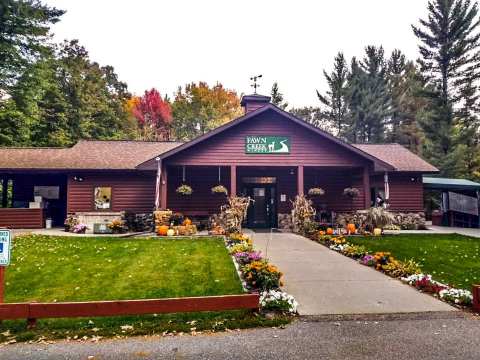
406 191
130 191
21 218
201 179
307 148
334 181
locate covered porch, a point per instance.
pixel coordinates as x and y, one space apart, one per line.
271 187
29 198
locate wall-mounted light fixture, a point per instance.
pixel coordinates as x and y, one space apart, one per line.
78 178
292 172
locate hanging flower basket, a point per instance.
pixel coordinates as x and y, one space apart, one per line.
184 190
219 189
316 191
351 192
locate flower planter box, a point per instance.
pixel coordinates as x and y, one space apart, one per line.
476 297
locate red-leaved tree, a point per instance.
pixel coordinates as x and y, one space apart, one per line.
154 116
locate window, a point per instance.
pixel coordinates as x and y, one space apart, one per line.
103 198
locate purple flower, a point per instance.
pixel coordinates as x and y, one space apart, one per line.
368 260
255 256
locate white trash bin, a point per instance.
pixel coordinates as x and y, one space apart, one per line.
48 223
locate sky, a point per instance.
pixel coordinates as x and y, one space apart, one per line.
166 44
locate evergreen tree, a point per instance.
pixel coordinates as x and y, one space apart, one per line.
336 107
24 26
277 97
450 61
315 117
368 100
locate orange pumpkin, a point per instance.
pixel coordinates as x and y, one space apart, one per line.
321 233
162 230
187 222
329 231
351 228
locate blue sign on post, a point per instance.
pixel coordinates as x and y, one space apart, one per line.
5 246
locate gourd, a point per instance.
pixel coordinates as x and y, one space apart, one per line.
329 231
351 228
170 232
162 230
377 232
187 222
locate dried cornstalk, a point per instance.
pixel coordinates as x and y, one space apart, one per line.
233 213
302 213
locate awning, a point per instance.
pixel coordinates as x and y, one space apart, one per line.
450 184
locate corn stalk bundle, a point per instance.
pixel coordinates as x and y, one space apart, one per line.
302 213
234 212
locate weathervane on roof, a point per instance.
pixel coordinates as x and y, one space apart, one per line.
255 85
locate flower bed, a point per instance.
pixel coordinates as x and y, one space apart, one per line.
407 271
259 275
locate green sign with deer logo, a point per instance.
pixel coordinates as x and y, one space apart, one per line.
267 145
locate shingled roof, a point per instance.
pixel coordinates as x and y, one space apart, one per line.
85 155
127 155
398 156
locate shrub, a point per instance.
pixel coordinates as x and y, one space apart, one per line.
276 300
262 275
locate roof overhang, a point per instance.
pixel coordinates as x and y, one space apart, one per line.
436 183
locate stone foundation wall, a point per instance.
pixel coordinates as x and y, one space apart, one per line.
90 218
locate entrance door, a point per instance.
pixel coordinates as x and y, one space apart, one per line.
262 213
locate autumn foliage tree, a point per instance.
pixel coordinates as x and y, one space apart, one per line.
199 108
153 114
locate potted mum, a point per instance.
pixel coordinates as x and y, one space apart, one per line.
316 191
219 189
79 228
184 190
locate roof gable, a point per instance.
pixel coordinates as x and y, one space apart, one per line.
256 114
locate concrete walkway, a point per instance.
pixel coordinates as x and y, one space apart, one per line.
324 282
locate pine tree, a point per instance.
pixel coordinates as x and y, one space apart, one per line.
24 25
334 101
368 100
451 62
277 97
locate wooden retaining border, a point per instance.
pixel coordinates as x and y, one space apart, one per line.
476 297
33 311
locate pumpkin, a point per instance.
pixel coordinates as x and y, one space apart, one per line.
162 230
329 231
351 228
170 232
377 231
321 233
187 222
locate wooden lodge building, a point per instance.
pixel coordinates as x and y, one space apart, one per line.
267 153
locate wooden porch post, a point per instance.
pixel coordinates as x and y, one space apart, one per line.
163 187
300 182
4 192
233 180
366 187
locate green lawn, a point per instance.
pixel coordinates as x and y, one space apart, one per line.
47 268
449 258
